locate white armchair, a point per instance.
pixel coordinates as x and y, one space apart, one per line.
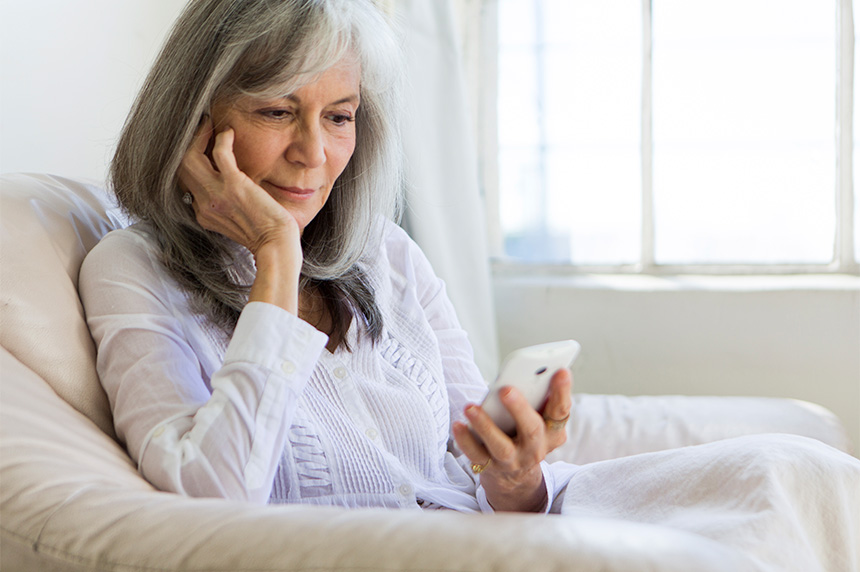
72 499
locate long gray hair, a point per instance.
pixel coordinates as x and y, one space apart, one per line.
222 49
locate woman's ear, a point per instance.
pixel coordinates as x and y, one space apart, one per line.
210 143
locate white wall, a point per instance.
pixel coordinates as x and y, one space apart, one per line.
780 336
69 71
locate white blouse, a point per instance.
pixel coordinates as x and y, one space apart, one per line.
270 415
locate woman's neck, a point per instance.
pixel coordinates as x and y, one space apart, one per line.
313 310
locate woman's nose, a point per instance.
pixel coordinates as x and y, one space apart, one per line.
307 147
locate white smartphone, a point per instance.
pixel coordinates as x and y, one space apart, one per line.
529 370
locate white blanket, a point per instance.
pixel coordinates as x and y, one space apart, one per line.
763 503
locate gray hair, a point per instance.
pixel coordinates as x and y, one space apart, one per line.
223 49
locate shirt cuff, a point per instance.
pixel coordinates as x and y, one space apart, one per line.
275 339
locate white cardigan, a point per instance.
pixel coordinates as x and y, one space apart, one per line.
270 415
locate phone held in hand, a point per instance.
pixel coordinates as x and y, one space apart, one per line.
530 370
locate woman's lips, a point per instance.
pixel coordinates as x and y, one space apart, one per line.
296 192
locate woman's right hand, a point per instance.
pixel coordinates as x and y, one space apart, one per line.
228 202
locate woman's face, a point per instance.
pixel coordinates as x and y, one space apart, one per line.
295 147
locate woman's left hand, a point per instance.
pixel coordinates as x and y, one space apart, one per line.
511 474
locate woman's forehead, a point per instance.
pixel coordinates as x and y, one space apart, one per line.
345 73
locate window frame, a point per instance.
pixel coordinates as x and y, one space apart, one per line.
481 41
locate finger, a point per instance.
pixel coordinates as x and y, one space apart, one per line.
559 401
196 171
222 152
558 408
530 424
469 444
498 444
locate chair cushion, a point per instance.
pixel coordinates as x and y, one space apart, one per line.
72 501
609 426
47 226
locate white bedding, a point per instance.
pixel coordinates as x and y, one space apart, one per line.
763 503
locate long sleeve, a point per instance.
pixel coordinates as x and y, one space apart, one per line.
462 376
197 422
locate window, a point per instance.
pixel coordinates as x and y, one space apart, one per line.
676 135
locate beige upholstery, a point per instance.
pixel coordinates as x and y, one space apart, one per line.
46 233
71 499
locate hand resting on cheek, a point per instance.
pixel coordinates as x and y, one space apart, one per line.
227 201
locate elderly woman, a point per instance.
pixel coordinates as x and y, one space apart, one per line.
265 332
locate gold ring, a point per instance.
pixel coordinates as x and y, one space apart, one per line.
555 424
478 469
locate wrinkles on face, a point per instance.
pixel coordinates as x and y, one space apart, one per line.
295 147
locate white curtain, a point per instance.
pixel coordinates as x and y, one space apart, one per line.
445 211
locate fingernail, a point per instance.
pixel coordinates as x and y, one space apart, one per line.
471 411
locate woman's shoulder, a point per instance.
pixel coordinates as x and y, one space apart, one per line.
399 256
397 244
125 271
122 250
138 236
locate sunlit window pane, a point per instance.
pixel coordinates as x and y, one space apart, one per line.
569 130
744 130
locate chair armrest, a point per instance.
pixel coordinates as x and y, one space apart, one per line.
610 426
72 500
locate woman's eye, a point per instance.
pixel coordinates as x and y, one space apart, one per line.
276 113
340 118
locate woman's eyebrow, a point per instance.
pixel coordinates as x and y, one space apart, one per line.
354 98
